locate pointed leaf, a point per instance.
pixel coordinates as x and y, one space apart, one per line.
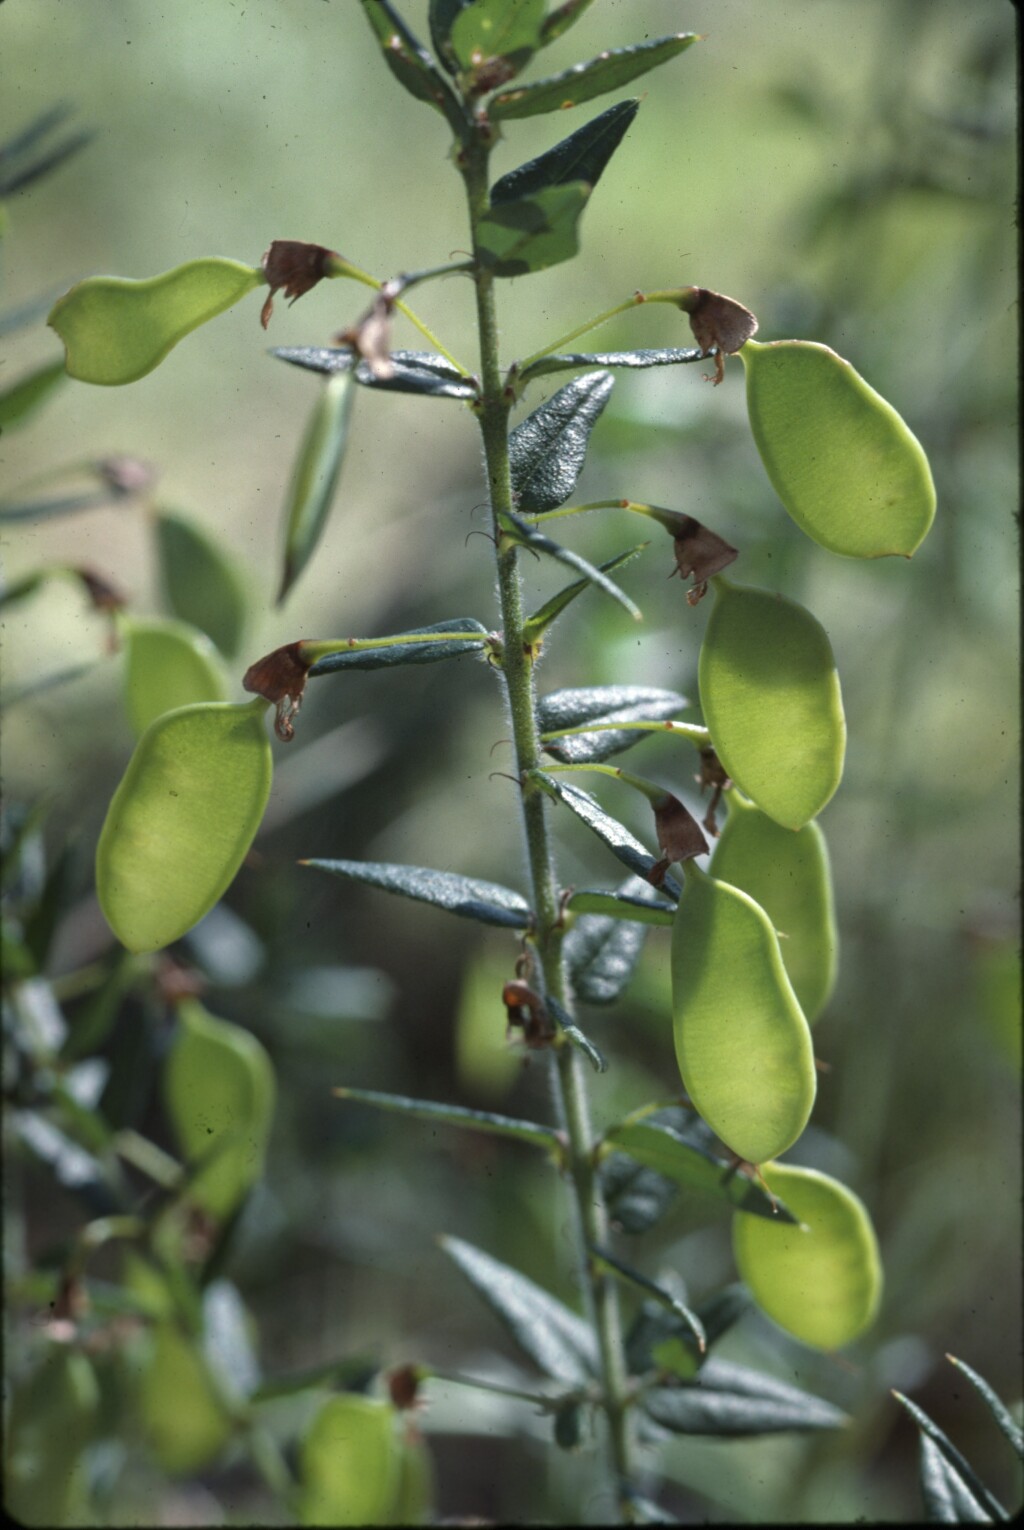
456 1115
661 1340
620 906
466 896
591 748
532 233
47 509
24 158
411 64
562 18
20 401
350 1466
575 1036
664 1299
580 157
168 664
685 1156
601 952
408 653
593 703
526 535
609 71
946 1497
637 1198
508 30
536 625
557 1340
548 448
315 477
615 835
182 1415
634 360
959 1468
201 582
730 1399
412 371
1002 1415
115 330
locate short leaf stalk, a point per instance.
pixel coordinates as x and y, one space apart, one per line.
518 667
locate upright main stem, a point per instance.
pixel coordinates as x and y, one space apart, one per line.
591 1216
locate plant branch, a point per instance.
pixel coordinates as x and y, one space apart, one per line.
664 295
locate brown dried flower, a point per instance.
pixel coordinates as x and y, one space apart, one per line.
679 833
280 677
702 553
295 266
719 323
370 336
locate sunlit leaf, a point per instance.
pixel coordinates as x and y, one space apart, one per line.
411 64
623 845
411 371
609 71
468 896
633 360
408 653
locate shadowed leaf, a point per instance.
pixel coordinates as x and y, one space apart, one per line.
618 906
315 477
998 1410
20 401
549 447
534 232
202 584
684 1154
730 1399
601 952
411 64
946 1497
529 537
959 1470
467 896
615 835
408 653
455 1115
580 157
536 625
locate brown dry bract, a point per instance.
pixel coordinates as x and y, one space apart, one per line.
702 553
526 1009
713 775
403 1385
370 336
295 266
679 833
718 322
103 595
280 677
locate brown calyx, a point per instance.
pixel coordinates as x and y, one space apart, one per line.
280 677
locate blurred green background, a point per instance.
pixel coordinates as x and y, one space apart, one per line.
846 169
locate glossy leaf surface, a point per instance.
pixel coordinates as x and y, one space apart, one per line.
623 845
946 1497
115 330
408 653
202 583
637 1197
219 1092
731 1399
659 1339
315 477
411 64
534 232
633 360
412 371
601 952
167 664
845 465
822 1280
580 157
789 875
182 820
558 1341
684 1153
960 1477
455 1115
609 71
350 1464
184 1421
20 401
468 896
549 447
647 704
742 1042
771 698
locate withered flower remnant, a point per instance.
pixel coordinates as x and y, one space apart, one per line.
370 336
280 678
679 836
712 774
296 266
719 324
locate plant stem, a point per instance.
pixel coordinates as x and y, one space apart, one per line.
591 1218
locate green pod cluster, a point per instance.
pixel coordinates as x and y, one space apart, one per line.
742 1042
789 875
770 695
182 819
820 1280
167 664
184 1419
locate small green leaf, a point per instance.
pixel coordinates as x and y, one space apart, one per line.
561 19
497 29
684 1155
580 157
168 664
1002 1415
408 653
456 1115
771 698
633 360
532 233
945 1495
623 845
183 1418
315 477
115 330
219 1092
609 71
350 1464
467 896
201 582
411 64
20 401
557 1340
528 537
845 465
637 1198
622 703
601 951
549 447
536 625
412 371
730 1399
660 1340
182 820
961 1478
617 906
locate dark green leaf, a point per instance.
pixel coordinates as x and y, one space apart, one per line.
730 1399
315 477
960 1468
22 398
660 1341
946 1497
47 509
536 625
619 906
664 1299
722 1309
615 835
556 1339
548 449
200 581
411 64
636 360
532 233
408 653
456 1115
414 371
601 952
467 896
24 158
497 29
561 19
593 703
998 1410
443 14
609 71
685 1156
575 1036
637 1198
580 157
527 536
591 748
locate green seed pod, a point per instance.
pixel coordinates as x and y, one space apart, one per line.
167 664
822 1280
350 1466
52 1417
845 465
182 820
771 699
219 1084
183 1418
789 876
742 1043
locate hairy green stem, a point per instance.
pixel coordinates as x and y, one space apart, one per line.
518 668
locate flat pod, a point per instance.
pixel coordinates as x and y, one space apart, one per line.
182 820
788 874
820 1281
183 1419
845 465
742 1042
770 695
168 664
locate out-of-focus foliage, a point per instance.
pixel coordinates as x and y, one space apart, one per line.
846 169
